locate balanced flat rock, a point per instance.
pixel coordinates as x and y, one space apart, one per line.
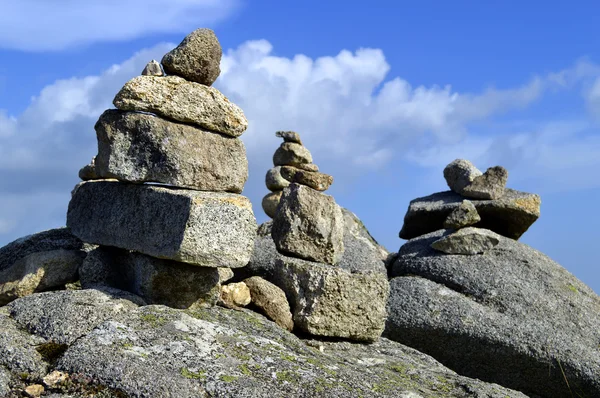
510 316
333 302
137 147
312 179
208 229
309 225
175 98
509 216
468 241
197 58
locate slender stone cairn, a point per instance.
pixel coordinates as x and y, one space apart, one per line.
292 164
162 196
326 296
474 213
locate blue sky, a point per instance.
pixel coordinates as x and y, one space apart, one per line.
384 94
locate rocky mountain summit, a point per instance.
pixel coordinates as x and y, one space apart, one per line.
162 284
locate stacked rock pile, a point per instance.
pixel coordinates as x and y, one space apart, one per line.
162 195
476 200
326 296
292 164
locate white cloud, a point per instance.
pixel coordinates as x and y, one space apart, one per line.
41 25
350 117
593 98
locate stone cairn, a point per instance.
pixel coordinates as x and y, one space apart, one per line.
474 212
161 199
327 298
293 164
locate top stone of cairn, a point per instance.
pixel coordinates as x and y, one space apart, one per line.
197 58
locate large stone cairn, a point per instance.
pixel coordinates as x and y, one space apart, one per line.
327 298
162 197
292 164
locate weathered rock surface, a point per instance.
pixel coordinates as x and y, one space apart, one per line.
39 262
510 316
274 180
459 174
225 274
202 228
467 241
156 351
308 166
157 281
309 225
509 216
136 147
153 68
64 316
88 172
236 294
197 58
270 203
330 301
462 216
289 136
291 154
18 353
312 179
38 272
175 98
271 301
362 253
490 185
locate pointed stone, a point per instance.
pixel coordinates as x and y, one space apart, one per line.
462 216
490 185
153 69
197 58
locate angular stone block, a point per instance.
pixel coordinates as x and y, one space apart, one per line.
330 301
136 147
309 225
509 216
202 228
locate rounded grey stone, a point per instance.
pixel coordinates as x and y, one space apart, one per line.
510 316
270 203
459 174
274 180
467 241
291 154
